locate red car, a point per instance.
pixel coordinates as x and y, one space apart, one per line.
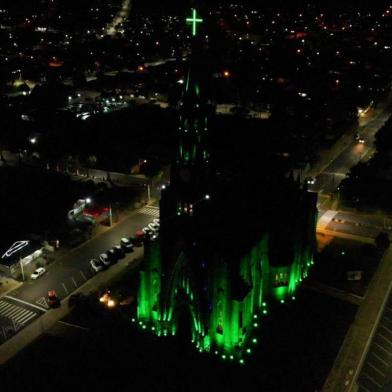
53 299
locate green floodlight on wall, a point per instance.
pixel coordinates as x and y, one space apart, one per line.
194 20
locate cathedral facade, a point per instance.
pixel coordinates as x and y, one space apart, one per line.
224 251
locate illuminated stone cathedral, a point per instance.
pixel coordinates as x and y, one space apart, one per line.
223 253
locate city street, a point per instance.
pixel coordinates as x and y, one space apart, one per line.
23 305
329 179
121 16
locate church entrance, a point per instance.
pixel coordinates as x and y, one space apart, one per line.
183 316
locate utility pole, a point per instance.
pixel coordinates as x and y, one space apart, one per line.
21 267
148 192
110 216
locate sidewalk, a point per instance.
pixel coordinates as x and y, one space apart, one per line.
7 285
42 324
347 236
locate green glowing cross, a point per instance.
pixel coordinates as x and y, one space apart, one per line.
194 20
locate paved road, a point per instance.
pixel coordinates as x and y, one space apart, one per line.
65 275
120 18
329 179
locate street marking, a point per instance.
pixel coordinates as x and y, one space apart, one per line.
4 306
13 311
150 210
382 348
65 288
371 379
73 325
363 387
42 302
387 329
387 319
18 315
73 280
386 339
17 326
375 368
335 174
83 276
26 303
380 359
22 319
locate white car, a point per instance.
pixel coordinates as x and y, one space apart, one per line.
147 230
126 244
311 180
37 273
153 226
104 258
96 265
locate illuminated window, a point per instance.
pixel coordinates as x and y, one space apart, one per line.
281 279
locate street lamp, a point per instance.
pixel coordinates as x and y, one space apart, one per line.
206 197
33 140
88 200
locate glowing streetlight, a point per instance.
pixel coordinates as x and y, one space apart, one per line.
33 140
88 200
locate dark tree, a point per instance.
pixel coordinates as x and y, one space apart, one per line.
382 241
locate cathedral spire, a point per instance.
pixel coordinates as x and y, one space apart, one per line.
190 175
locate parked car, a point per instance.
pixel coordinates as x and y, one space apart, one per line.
96 265
104 259
119 250
53 299
126 244
113 255
137 240
37 273
147 230
153 226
